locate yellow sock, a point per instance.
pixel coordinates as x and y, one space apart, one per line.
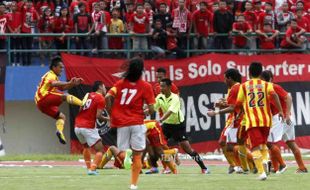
243 157
265 153
105 158
170 151
258 160
74 100
60 125
229 157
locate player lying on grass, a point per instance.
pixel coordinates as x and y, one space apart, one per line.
49 95
85 123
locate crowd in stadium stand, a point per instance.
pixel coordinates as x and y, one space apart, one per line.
167 22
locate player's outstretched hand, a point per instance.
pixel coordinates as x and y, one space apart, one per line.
78 81
211 113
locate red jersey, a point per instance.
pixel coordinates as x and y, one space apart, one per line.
45 25
303 22
282 96
129 97
139 23
241 41
3 24
15 20
264 44
202 21
290 31
174 89
258 12
88 114
251 18
266 17
29 17
63 24
237 116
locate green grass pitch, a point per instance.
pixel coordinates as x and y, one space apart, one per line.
75 178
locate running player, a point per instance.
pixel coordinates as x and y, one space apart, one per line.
85 126
125 103
173 121
254 97
49 95
283 131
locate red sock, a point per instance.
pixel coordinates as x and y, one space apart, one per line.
274 160
298 159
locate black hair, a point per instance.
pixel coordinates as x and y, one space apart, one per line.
135 69
158 20
266 75
2 4
167 81
55 61
233 74
81 4
255 69
161 70
203 2
163 4
96 85
139 5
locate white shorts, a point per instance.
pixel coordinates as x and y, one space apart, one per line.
288 132
276 130
231 135
89 136
133 137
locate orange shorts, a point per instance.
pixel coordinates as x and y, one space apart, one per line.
119 160
49 105
156 137
258 136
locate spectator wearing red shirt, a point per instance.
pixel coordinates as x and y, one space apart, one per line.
241 28
139 24
82 24
172 41
129 13
249 15
302 21
29 20
258 7
46 25
182 22
222 23
148 11
63 24
14 26
293 37
266 40
3 25
91 4
284 17
43 4
103 7
201 25
267 16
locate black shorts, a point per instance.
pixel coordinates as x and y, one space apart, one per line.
175 131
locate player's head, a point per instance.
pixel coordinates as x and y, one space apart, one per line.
57 66
134 70
267 76
99 87
161 74
232 76
255 69
165 86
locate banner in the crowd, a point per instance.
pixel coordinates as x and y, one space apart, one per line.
200 80
3 61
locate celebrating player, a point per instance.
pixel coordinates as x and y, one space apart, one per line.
85 126
280 131
49 95
173 120
254 96
125 103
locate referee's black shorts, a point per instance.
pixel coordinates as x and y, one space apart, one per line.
175 131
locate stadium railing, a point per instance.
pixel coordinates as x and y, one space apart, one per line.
128 49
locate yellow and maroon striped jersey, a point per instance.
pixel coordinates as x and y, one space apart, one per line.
45 87
254 96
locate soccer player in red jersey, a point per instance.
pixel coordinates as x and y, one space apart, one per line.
288 129
49 95
254 98
125 102
161 73
85 126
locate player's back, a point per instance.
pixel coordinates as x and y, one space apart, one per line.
86 118
44 86
256 106
129 97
